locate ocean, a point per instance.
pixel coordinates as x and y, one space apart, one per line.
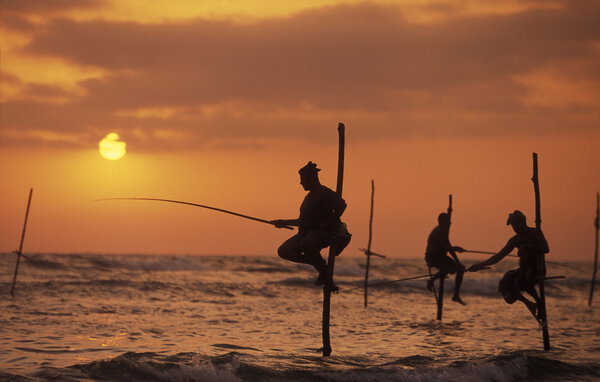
90 317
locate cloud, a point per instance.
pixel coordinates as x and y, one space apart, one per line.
43 7
289 77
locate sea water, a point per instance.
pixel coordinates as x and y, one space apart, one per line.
229 318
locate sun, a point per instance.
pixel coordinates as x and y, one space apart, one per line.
111 148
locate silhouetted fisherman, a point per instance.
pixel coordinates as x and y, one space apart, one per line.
319 225
436 256
526 276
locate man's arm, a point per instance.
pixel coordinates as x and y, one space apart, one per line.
495 258
452 250
280 223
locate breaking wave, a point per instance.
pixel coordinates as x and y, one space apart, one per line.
241 367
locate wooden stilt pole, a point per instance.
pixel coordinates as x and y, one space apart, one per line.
332 249
541 256
369 243
440 299
440 295
449 211
597 226
20 252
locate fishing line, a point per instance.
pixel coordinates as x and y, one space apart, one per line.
201 206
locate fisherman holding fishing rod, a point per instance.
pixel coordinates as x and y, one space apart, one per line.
319 225
525 277
436 256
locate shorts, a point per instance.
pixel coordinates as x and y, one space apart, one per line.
515 281
443 263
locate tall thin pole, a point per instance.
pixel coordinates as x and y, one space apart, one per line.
541 255
332 249
440 301
20 252
369 243
597 226
440 297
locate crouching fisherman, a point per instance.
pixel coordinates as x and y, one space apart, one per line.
436 256
524 278
319 225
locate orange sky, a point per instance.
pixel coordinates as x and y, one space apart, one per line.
221 102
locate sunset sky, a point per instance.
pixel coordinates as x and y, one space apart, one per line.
221 102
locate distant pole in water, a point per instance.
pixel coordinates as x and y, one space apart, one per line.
332 249
541 256
597 226
20 251
368 253
440 295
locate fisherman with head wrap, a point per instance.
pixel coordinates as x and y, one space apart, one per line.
436 256
319 225
530 246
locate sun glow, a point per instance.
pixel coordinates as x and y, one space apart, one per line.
111 148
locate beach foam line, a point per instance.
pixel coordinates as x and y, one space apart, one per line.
241 367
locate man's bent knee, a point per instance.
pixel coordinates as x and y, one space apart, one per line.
282 252
289 249
509 297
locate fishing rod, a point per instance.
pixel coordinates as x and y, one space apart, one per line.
549 262
405 279
22 255
371 253
390 282
199 205
483 252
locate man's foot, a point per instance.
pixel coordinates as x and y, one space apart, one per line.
430 284
459 300
332 287
321 280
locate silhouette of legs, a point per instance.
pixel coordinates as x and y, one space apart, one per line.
518 280
533 293
307 250
538 302
457 284
525 281
532 306
341 239
432 280
434 277
446 266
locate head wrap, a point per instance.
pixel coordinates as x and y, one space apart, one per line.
515 217
309 169
443 218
